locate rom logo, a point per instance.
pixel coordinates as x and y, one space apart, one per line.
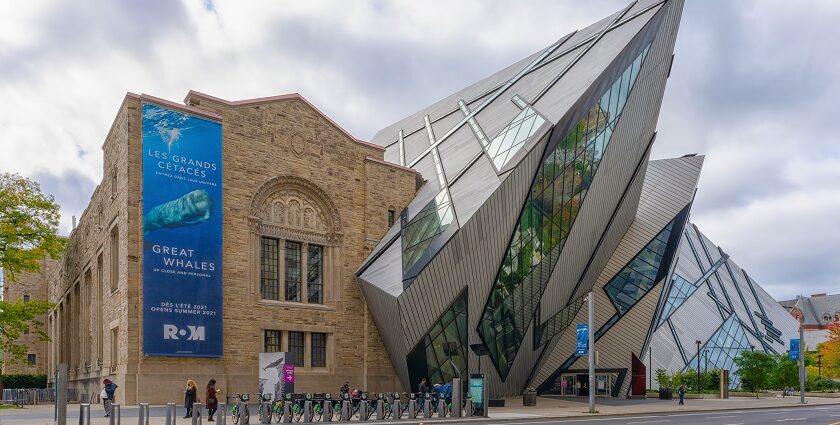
196 333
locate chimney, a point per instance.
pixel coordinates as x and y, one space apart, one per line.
74 224
818 295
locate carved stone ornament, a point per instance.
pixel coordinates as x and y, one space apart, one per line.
291 207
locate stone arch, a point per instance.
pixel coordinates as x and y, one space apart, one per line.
299 198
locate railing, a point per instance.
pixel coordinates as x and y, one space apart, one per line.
22 397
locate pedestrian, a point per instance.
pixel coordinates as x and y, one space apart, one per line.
446 392
681 392
344 389
423 387
109 390
212 400
190 397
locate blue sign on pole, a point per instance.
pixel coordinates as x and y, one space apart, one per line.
582 347
793 353
182 234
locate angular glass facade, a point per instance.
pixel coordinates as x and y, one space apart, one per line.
681 289
640 275
512 138
421 231
428 358
555 197
557 323
720 351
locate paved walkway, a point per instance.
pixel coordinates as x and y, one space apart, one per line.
547 407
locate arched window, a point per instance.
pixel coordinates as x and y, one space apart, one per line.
826 318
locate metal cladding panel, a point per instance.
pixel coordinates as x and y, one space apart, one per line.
386 272
775 312
666 354
414 144
457 152
498 114
385 312
696 319
473 187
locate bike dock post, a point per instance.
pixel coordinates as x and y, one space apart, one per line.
143 414
170 413
363 407
327 408
412 406
196 414
457 396
265 414
380 407
346 409
441 407
307 408
396 407
115 415
427 406
240 408
287 409
223 415
84 414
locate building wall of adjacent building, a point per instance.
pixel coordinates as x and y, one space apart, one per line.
276 151
29 287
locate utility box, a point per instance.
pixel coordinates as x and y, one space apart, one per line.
529 397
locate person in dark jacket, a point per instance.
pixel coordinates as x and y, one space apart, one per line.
212 400
423 387
190 397
110 389
681 392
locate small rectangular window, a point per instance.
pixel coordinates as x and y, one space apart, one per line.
115 348
272 341
293 287
270 269
296 347
319 349
26 298
391 217
31 359
315 272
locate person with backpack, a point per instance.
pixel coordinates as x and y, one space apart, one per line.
681 392
108 395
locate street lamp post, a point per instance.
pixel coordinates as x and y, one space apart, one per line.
698 365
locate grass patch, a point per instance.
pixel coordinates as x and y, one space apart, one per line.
7 407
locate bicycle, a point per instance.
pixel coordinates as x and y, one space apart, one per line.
234 410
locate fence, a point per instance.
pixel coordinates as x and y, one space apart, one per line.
35 396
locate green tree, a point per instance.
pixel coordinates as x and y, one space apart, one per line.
28 226
787 372
755 369
15 319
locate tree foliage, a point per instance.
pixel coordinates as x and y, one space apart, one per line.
28 226
830 351
17 318
755 369
786 373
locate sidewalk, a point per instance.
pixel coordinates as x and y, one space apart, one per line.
547 407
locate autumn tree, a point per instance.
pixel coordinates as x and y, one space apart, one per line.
830 351
28 226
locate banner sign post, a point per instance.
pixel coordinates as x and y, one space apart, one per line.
582 347
182 234
793 353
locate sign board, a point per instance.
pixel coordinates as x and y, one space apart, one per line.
289 373
182 233
793 354
273 379
582 347
477 391
564 384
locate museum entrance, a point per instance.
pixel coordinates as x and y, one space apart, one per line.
577 384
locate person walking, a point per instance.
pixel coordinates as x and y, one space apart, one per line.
681 392
212 400
109 390
423 387
190 397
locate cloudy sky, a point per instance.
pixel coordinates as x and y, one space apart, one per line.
753 87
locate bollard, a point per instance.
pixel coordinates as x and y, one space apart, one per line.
196 414
412 408
380 410
469 408
223 415
328 411
84 414
441 407
143 414
170 413
115 415
457 397
345 410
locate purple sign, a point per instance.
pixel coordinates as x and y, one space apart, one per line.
289 373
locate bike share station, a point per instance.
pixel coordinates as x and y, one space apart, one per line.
278 403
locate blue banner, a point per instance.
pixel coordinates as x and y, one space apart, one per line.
793 353
182 234
582 339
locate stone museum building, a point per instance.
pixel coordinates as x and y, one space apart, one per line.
304 202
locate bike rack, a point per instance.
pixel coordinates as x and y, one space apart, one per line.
427 406
170 413
441 407
222 416
346 408
307 408
143 414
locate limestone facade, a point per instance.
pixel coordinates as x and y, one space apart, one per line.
293 179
